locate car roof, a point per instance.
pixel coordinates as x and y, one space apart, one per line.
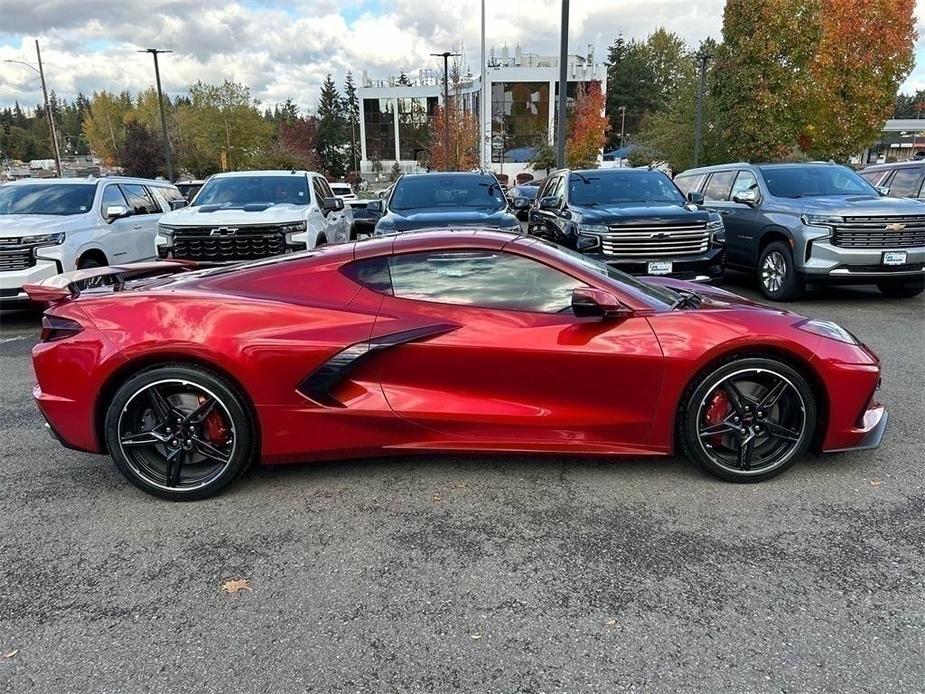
420 174
91 181
275 172
626 169
894 165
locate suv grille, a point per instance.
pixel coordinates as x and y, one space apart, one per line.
656 241
16 254
228 243
875 232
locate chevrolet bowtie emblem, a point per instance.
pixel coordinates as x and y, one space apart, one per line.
895 226
223 231
660 235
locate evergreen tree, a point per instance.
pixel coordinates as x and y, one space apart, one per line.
352 109
332 130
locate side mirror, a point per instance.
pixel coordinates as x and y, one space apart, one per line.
177 204
114 212
883 190
375 206
520 203
598 303
332 204
550 202
695 198
747 197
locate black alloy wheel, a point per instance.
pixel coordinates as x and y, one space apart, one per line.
749 420
179 432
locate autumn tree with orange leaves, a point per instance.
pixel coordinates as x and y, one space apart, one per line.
463 153
587 127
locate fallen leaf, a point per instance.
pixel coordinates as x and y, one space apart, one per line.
475 637
875 483
10 654
236 585
610 622
437 497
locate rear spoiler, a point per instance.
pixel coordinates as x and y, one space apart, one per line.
69 284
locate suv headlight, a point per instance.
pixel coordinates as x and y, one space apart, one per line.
717 231
44 239
816 220
592 229
827 328
292 230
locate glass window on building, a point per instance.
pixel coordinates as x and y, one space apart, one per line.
519 120
379 123
414 115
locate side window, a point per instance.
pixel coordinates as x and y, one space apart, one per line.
486 278
689 183
111 196
372 273
139 200
745 181
326 187
905 182
872 177
170 194
717 189
319 191
559 189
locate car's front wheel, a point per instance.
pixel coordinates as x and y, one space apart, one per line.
179 431
902 290
748 420
777 273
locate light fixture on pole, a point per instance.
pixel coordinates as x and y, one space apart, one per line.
446 55
53 133
160 102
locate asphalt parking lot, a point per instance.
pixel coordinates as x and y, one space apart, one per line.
478 574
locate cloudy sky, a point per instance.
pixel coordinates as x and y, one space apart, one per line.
283 48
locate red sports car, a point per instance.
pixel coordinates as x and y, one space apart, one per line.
463 340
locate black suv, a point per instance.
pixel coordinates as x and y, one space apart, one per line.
633 219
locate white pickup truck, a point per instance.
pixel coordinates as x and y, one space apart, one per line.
245 215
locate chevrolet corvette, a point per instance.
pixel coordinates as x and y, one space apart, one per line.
451 340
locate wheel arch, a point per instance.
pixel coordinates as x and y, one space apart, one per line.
145 362
92 252
797 362
769 235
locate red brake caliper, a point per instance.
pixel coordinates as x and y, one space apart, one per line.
717 411
215 429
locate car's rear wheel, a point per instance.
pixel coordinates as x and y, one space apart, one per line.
777 273
902 290
179 432
748 420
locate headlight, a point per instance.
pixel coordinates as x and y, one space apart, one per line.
165 231
827 328
815 220
717 231
295 228
44 240
592 229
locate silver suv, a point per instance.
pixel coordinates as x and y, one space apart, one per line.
50 226
813 222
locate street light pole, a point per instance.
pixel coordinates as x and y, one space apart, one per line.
622 125
160 102
446 55
49 114
702 58
563 88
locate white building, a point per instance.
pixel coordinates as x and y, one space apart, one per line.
522 91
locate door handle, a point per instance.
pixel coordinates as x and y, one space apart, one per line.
136 226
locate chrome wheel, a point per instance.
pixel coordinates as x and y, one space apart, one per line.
773 271
751 421
176 435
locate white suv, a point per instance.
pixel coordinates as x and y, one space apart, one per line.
50 226
244 215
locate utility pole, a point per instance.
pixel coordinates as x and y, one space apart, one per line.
622 110
446 55
563 88
160 102
484 158
702 58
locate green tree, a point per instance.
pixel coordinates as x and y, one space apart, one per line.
104 124
142 153
332 130
352 109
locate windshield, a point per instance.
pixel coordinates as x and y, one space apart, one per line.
612 187
50 198
814 179
340 190
447 191
659 294
238 191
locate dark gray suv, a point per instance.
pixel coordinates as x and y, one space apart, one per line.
813 222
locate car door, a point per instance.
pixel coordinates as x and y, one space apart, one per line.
742 221
143 228
551 220
496 354
337 228
905 182
716 197
116 237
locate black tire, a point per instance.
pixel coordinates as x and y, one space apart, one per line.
87 263
898 289
777 274
320 241
782 431
141 432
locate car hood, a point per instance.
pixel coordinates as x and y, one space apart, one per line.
14 225
209 216
714 297
873 205
428 218
647 212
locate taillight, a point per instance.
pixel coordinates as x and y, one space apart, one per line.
58 328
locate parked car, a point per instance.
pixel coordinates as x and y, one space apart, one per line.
254 214
427 200
343 190
814 222
364 219
50 226
520 198
632 219
189 188
900 179
477 341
